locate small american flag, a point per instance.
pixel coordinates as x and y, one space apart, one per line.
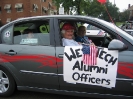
100 32
89 54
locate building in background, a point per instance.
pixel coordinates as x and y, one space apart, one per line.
14 9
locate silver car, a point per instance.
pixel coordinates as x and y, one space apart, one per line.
37 64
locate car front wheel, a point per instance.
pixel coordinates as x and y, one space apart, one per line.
7 83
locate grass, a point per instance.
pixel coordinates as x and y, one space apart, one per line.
119 23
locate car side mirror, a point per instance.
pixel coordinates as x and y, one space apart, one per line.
117 45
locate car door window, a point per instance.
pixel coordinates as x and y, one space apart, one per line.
32 33
91 27
97 35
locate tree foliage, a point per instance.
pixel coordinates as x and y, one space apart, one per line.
93 8
124 16
111 12
76 5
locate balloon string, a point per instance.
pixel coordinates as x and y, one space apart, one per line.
112 22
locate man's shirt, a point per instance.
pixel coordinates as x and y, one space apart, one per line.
68 42
83 39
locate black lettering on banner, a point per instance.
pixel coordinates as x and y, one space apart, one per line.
105 70
103 81
86 68
105 58
83 76
93 68
98 80
77 53
77 74
71 56
98 69
81 66
98 51
86 77
112 60
101 54
93 78
108 82
76 65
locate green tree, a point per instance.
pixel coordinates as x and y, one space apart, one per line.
124 16
93 8
111 12
76 5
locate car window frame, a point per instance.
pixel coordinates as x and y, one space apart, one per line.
92 22
33 23
51 27
68 19
1 33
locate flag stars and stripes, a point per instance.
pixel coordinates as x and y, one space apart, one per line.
100 32
89 54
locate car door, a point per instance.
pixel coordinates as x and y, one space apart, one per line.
59 54
32 60
124 62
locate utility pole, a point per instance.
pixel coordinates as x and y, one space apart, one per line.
40 7
114 13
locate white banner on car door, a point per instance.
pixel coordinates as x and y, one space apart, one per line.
102 74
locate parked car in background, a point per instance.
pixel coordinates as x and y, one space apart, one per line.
37 64
128 27
129 31
93 30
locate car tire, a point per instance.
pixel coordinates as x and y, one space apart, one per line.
7 83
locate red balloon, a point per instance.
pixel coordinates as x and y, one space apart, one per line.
102 1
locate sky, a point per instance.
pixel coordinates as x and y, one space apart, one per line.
122 4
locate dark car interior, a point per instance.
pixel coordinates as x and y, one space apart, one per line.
40 29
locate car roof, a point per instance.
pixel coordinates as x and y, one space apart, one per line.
93 19
55 16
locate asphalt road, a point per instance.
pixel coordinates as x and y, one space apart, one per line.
37 95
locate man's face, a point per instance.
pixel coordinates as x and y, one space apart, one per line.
82 32
30 35
68 34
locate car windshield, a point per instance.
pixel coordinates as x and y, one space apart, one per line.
111 25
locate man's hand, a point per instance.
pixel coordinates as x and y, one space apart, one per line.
79 43
93 44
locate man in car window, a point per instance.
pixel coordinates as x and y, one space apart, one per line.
68 34
29 37
29 33
81 36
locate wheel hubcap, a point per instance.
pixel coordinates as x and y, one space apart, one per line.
4 82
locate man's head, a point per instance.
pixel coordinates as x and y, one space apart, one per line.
82 31
67 31
29 33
